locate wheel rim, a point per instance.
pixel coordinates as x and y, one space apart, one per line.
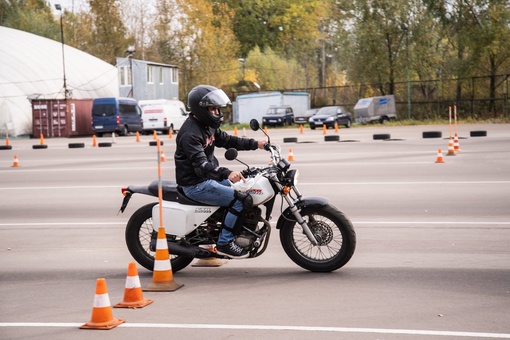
328 236
145 236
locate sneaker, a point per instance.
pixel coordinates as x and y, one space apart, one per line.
232 250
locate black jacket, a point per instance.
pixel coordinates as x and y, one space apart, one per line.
194 157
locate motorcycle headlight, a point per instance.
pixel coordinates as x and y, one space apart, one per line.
292 176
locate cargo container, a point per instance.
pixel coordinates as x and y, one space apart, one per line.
61 117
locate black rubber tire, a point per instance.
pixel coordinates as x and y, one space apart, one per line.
432 134
480 133
139 230
76 145
332 138
312 127
379 136
124 131
290 139
348 124
334 231
5 147
39 146
155 143
104 144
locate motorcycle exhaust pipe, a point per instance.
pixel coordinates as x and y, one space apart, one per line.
191 251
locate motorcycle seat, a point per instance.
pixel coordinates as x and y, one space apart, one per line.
172 192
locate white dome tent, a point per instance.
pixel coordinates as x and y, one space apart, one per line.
31 68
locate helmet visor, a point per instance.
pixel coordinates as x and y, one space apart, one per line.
216 98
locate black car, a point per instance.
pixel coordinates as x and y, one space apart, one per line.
278 116
328 115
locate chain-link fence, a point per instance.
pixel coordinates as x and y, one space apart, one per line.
476 97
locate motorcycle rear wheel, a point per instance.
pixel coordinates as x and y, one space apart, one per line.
334 233
138 235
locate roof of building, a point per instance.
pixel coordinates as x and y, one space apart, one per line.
32 67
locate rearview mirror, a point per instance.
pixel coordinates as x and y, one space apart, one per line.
254 124
231 154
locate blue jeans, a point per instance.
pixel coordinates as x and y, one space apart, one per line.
216 193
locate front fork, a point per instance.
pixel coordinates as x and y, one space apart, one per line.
295 211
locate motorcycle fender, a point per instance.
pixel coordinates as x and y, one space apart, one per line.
309 202
179 219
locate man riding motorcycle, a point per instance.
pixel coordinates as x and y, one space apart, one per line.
197 169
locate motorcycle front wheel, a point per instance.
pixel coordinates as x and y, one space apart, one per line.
139 231
334 233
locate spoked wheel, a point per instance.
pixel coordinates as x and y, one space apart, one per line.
336 240
139 233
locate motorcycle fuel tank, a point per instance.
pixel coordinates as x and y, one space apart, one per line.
258 187
179 219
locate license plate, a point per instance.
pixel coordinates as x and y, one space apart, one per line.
98 126
272 121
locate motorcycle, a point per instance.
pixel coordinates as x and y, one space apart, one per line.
313 233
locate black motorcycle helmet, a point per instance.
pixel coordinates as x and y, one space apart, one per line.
203 96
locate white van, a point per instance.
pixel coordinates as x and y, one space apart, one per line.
162 115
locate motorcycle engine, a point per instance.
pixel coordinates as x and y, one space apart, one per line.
245 239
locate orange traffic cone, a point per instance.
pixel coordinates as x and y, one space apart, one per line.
94 141
324 129
155 135
235 130
137 136
439 158
170 133
301 129
16 162
336 126
133 296
162 278
291 155
209 261
451 150
456 146
102 315
7 141
265 129
163 158
41 140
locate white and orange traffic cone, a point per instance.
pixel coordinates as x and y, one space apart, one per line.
439 158
16 162
451 150
102 315
324 129
209 261
170 133
301 130
41 139
154 135
336 126
162 276
291 155
235 131
456 145
133 296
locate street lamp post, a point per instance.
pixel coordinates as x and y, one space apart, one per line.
59 8
406 29
130 51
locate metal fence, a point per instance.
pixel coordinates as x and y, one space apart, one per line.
477 97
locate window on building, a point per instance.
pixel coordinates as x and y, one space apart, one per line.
125 76
175 75
161 79
150 75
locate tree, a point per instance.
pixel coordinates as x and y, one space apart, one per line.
34 16
108 31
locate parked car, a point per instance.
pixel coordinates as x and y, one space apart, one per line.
328 115
118 115
278 116
304 118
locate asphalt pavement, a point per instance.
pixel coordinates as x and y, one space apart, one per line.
432 258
